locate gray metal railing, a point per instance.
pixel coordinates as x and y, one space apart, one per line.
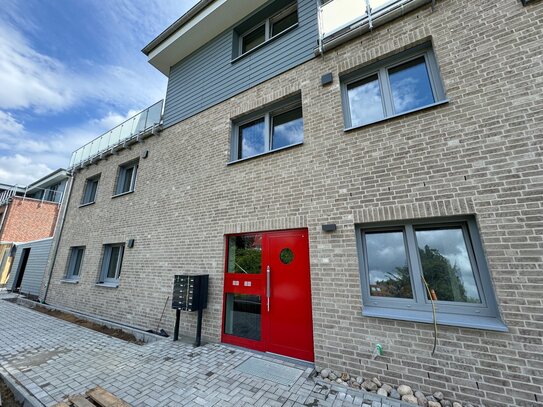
6 195
140 123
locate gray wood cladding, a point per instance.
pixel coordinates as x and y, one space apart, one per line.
35 266
209 75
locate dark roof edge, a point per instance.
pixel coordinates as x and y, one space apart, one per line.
185 18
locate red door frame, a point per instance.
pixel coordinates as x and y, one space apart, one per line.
258 287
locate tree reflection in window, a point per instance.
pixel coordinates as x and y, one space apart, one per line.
446 264
245 254
387 263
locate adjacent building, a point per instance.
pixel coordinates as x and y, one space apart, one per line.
349 174
28 214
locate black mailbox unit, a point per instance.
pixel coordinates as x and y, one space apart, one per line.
190 294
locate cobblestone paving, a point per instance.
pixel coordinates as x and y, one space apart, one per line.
52 358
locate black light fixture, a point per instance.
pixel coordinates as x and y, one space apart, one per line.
327 79
130 243
330 227
145 154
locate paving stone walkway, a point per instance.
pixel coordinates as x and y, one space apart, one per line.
52 359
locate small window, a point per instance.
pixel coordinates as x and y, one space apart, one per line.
404 83
126 181
409 268
268 29
253 39
283 20
89 193
74 262
272 130
111 263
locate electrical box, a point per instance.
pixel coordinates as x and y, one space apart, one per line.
190 292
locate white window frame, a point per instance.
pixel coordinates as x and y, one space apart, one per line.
381 70
268 24
268 115
72 262
106 261
484 315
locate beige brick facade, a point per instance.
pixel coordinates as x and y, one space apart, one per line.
479 154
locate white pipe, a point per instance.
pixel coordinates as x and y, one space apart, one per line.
58 228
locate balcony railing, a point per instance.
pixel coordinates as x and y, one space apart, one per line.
337 16
141 123
6 195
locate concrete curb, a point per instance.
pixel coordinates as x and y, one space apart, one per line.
20 393
139 334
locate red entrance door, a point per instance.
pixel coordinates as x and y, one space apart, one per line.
267 302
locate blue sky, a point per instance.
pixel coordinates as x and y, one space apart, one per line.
71 70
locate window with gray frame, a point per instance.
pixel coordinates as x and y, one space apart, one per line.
112 263
74 262
268 29
407 268
398 85
126 180
89 193
278 127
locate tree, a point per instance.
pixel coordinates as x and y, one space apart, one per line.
441 276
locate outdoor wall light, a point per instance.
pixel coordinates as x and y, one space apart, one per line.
145 154
330 227
130 243
327 79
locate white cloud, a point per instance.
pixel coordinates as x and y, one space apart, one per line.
31 155
29 79
9 125
34 84
21 170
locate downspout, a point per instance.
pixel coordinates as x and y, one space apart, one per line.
2 221
56 241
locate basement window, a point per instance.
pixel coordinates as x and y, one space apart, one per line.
276 128
408 268
396 86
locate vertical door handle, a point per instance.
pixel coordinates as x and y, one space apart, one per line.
268 286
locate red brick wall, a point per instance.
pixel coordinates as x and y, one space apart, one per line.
29 219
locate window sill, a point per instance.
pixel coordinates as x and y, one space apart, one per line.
123 194
265 153
87 204
70 281
240 57
107 285
464 321
442 102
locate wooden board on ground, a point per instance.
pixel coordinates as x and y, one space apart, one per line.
96 397
105 398
80 401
